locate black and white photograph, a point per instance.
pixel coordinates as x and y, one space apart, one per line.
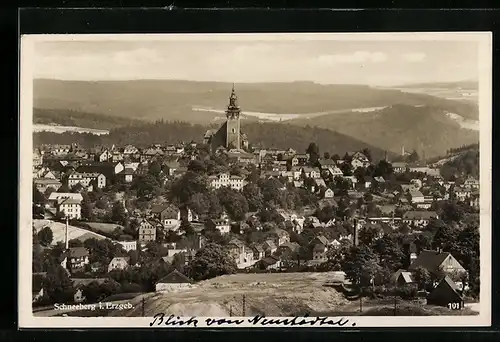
171 179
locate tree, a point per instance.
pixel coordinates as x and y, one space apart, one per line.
57 285
197 166
233 202
38 197
422 277
389 252
368 234
118 213
186 227
211 261
451 212
368 153
445 237
313 151
189 184
45 236
326 155
253 196
413 157
361 266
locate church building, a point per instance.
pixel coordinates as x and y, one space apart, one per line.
229 134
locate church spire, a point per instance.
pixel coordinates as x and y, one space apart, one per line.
233 100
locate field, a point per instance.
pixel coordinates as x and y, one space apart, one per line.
103 227
58 231
273 294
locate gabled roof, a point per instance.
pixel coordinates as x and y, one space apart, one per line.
121 259
78 252
430 260
78 282
175 277
419 215
322 240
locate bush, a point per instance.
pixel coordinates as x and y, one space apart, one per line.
407 292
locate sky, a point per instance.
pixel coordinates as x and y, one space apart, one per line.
375 62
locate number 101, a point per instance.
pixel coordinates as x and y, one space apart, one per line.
454 306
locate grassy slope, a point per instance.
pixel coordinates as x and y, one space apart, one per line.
420 128
173 100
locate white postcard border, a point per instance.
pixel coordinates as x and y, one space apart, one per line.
26 318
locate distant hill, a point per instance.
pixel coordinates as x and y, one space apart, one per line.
66 117
428 130
174 100
466 84
264 134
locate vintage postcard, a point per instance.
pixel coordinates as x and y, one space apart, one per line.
255 180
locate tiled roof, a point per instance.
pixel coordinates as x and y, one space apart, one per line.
175 277
78 252
430 260
419 215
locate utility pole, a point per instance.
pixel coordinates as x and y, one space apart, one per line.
230 311
395 305
360 303
143 305
244 311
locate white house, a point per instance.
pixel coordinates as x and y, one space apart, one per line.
71 208
128 245
226 180
118 263
86 178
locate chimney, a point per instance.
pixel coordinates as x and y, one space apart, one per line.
403 150
66 237
355 235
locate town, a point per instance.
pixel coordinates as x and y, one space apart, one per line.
115 220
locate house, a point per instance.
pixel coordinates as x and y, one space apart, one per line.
379 179
302 159
78 258
269 247
222 225
86 179
328 193
70 208
57 197
289 249
334 171
436 261
280 236
319 252
147 231
174 281
128 245
399 167
446 293
104 156
315 173
169 215
258 252
402 278
462 194
471 183
269 263
118 263
357 163
368 181
127 175
320 183
237 251
42 184
417 197
419 218
296 172
226 180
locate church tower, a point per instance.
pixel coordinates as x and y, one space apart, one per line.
233 136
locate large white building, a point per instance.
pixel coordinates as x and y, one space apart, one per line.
71 208
226 180
86 178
